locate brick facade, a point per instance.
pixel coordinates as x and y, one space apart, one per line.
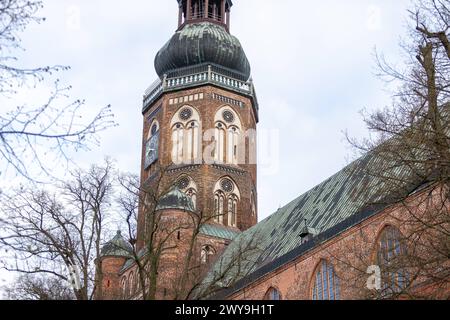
111 286
173 260
204 175
350 253
192 77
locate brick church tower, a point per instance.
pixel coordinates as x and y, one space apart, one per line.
198 145
200 117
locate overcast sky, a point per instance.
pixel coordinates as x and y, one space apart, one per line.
312 64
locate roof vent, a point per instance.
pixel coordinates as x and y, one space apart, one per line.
307 233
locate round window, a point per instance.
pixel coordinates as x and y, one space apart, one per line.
186 114
227 185
228 116
183 183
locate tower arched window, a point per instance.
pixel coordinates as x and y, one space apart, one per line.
187 185
228 131
233 145
232 210
130 285
152 144
206 254
219 138
253 204
219 201
186 135
272 294
325 282
390 249
226 201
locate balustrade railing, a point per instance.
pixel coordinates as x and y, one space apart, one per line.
152 92
209 76
201 15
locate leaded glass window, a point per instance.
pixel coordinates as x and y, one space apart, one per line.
389 255
326 283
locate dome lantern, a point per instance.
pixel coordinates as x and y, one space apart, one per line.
216 11
203 39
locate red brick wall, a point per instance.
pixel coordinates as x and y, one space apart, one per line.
111 279
173 260
205 176
354 248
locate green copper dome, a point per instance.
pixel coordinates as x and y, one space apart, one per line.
117 247
203 43
176 199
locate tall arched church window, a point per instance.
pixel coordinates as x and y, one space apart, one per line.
325 282
390 249
152 144
123 287
232 210
228 131
219 212
186 135
131 284
187 185
126 288
272 294
226 201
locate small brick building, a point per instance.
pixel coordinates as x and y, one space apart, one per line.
199 127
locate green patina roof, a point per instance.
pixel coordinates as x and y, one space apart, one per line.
330 203
176 199
203 43
219 232
117 247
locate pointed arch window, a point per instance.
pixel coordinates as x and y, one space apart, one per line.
228 130
390 250
177 143
232 210
325 283
126 287
131 285
272 294
219 200
123 286
152 144
219 138
253 204
233 145
186 135
226 201
187 185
